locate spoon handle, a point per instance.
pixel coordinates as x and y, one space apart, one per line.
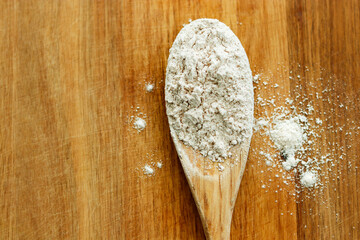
214 197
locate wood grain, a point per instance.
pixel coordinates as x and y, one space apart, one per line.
214 192
71 74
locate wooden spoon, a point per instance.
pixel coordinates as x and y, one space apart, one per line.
214 191
213 186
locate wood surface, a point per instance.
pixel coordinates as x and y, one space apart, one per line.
71 74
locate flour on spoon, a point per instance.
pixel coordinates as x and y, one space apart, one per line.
209 92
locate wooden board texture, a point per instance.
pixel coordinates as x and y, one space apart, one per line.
71 74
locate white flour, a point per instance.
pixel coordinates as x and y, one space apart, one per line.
151 164
148 170
289 132
149 87
209 91
298 140
308 179
139 124
288 136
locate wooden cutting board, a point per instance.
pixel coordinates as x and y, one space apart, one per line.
73 72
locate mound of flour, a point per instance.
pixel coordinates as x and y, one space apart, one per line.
288 136
209 91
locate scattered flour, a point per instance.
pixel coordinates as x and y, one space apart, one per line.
139 124
288 137
221 167
289 132
208 90
256 78
149 87
148 170
151 164
137 118
318 121
159 164
296 132
308 179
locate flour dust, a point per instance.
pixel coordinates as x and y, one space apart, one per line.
293 130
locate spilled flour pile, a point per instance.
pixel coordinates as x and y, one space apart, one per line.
148 170
149 87
139 124
292 136
288 137
308 179
137 119
151 165
294 143
209 91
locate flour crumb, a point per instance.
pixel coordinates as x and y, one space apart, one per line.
318 121
159 164
308 179
221 167
139 124
149 87
148 170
